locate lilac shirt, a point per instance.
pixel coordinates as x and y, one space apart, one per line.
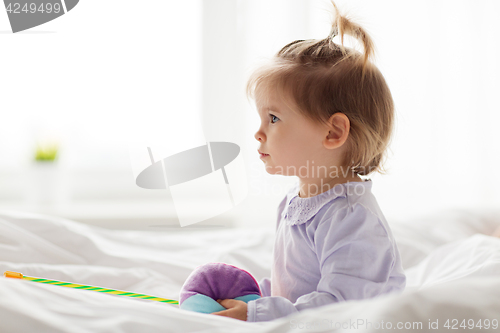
333 247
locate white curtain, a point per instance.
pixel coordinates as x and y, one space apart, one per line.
113 73
104 76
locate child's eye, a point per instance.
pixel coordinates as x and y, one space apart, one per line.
273 117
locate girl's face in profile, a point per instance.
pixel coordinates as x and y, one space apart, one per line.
289 139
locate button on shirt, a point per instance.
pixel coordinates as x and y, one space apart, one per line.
332 247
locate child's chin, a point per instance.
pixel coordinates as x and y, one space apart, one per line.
274 171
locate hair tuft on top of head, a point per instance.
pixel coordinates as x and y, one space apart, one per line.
326 51
343 26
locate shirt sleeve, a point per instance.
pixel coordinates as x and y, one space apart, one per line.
265 283
265 287
355 256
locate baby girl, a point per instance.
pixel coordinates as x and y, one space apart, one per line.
326 117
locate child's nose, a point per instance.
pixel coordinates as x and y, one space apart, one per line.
259 136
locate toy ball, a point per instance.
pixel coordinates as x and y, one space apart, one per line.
213 281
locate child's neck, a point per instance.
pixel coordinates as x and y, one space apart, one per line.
312 187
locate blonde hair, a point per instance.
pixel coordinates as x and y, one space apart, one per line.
322 78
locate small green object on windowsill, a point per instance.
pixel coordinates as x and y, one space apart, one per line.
46 153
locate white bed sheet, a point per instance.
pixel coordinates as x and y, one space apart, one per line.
453 272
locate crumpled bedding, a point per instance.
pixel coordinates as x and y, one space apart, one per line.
452 267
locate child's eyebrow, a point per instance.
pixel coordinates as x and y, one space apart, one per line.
269 109
272 108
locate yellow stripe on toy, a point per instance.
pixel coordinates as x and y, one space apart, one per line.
16 275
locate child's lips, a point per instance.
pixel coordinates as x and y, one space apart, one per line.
262 154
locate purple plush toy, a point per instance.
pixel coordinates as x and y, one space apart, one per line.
213 281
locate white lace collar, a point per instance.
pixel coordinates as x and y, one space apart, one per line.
300 210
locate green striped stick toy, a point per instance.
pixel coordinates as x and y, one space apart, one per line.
16 275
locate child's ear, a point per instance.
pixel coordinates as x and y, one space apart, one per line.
337 131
